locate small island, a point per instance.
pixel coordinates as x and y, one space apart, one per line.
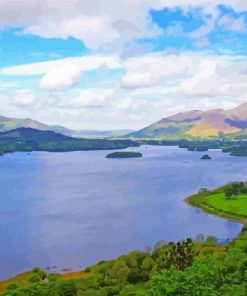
206 157
125 154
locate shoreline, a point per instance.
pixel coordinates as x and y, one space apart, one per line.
195 202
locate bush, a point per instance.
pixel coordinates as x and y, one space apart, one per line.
34 278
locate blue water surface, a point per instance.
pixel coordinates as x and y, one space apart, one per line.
70 210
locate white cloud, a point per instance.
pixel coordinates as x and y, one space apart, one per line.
232 24
84 28
146 71
61 77
62 73
186 75
176 82
108 24
85 63
91 97
214 76
25 98
98 24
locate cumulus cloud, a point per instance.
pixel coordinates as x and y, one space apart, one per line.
91 97
84 28
108 24
153 86
96 23
25 98
148 70
63 73
61 77
221 76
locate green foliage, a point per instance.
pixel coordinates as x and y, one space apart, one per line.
34 278
210 241
181 255
27 139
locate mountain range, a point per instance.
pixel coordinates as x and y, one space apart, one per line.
187 125
7 124
198 124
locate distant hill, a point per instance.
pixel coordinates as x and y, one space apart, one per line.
29 139
7 124
199 124
101 134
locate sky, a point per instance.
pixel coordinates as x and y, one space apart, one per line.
111 64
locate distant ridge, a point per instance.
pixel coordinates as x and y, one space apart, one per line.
199 124
7 124
29 139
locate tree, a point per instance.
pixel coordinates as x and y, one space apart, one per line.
197 280
235 189
228 193
182 254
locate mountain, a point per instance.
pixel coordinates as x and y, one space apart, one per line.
199 124
7 124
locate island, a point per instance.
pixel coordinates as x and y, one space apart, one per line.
206 157
125 154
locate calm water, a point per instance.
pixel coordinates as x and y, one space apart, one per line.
69 210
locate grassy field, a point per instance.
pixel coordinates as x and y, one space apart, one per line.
215 202
236 205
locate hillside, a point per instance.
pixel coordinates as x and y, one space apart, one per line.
7 124
199 124
28 139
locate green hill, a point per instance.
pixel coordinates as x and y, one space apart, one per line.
28 139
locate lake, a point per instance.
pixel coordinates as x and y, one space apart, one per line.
70 210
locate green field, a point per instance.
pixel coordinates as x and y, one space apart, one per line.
216 202
236 205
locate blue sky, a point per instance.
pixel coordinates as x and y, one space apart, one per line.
87 64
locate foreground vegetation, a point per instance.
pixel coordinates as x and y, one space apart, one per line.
191 267
27 139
